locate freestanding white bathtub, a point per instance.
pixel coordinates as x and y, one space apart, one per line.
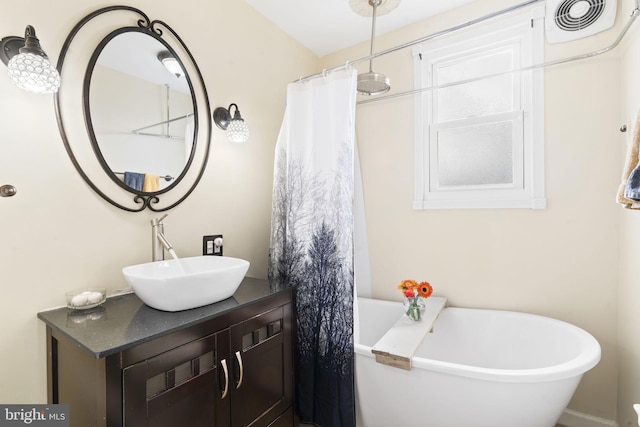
478 368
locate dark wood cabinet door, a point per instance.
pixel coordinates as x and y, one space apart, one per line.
183 386
262 368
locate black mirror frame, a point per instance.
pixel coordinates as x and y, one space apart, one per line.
143 200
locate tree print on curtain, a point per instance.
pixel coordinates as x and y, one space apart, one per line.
312 242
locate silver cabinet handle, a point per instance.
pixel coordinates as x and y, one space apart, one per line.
226 378
239 357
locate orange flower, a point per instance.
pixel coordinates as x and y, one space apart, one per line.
425 289
408 285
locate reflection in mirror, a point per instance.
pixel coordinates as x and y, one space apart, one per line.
141 113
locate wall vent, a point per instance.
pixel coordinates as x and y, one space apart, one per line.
568 20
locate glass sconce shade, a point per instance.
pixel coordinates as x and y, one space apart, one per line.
28 65
34 73
238 131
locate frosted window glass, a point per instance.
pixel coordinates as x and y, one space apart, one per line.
476 155
487 96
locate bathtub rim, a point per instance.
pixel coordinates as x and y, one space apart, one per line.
569 369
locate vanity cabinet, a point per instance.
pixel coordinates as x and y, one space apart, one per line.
233 369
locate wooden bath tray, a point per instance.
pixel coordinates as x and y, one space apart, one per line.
398 345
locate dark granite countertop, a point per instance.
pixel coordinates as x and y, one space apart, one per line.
124 321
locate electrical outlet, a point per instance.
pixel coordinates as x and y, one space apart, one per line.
212 245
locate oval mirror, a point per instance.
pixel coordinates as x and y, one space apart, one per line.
145 138
140 111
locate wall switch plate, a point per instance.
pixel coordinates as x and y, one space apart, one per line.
209 246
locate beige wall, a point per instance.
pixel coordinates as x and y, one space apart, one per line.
561 261
56 234
629 284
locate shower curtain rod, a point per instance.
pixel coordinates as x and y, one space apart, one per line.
634 14
167 122
162 123
162 135
423 39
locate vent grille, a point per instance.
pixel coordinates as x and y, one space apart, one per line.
575 15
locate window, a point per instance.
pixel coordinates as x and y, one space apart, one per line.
480 130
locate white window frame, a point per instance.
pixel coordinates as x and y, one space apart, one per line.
527 190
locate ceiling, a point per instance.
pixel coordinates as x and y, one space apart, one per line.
136 54
326 26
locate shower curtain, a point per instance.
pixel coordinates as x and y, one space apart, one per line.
312 241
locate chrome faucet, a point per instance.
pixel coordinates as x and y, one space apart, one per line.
158 242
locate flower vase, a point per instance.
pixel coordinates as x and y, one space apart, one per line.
414 307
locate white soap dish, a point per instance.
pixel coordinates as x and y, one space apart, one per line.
84 299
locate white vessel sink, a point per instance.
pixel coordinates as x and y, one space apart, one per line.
175 285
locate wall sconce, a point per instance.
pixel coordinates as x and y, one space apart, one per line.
28 65
237 129
171 63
